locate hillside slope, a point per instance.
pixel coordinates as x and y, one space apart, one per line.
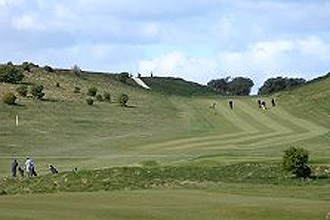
64 130
177 86
311 101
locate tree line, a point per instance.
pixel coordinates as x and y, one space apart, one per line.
232 86
228 86
240 86
277 84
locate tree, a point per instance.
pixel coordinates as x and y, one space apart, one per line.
37 91
9 98
27 66
10 74
22 90
277 84
92 91
220 85
123 77
240 86
123 99
295 160
49 69
237 86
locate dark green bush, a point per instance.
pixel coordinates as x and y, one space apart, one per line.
3 192
10 74
37 91
49 69
295 161
123 77
92 91
107 97
76 89
99 97
22 90
123 99
90 101
9 98
26 66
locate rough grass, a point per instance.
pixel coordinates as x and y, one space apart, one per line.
241 191
152 176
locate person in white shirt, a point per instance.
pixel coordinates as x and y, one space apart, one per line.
29 166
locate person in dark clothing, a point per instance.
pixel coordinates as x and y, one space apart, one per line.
52 169
273 103
231 104
34 172
259 103
214 105
14 166
21 172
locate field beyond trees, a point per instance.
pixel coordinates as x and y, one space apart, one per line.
214 154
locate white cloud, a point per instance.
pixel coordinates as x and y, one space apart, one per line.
313 46
28 22
197 40
47 18
259 61
3 3
178 64
7 3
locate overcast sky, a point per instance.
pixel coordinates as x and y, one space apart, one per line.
198 40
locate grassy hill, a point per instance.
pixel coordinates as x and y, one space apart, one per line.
177 86
63 128
177 130
313 99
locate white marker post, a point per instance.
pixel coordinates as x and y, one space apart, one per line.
16 120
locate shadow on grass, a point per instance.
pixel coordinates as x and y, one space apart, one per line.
49 100
26 83
320 177
15 105
130 106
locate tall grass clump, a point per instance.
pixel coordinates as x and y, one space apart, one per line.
123 99
37 91
22 90
9 98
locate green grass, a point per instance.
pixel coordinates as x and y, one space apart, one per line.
159 204
155 176
177 86
176 131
